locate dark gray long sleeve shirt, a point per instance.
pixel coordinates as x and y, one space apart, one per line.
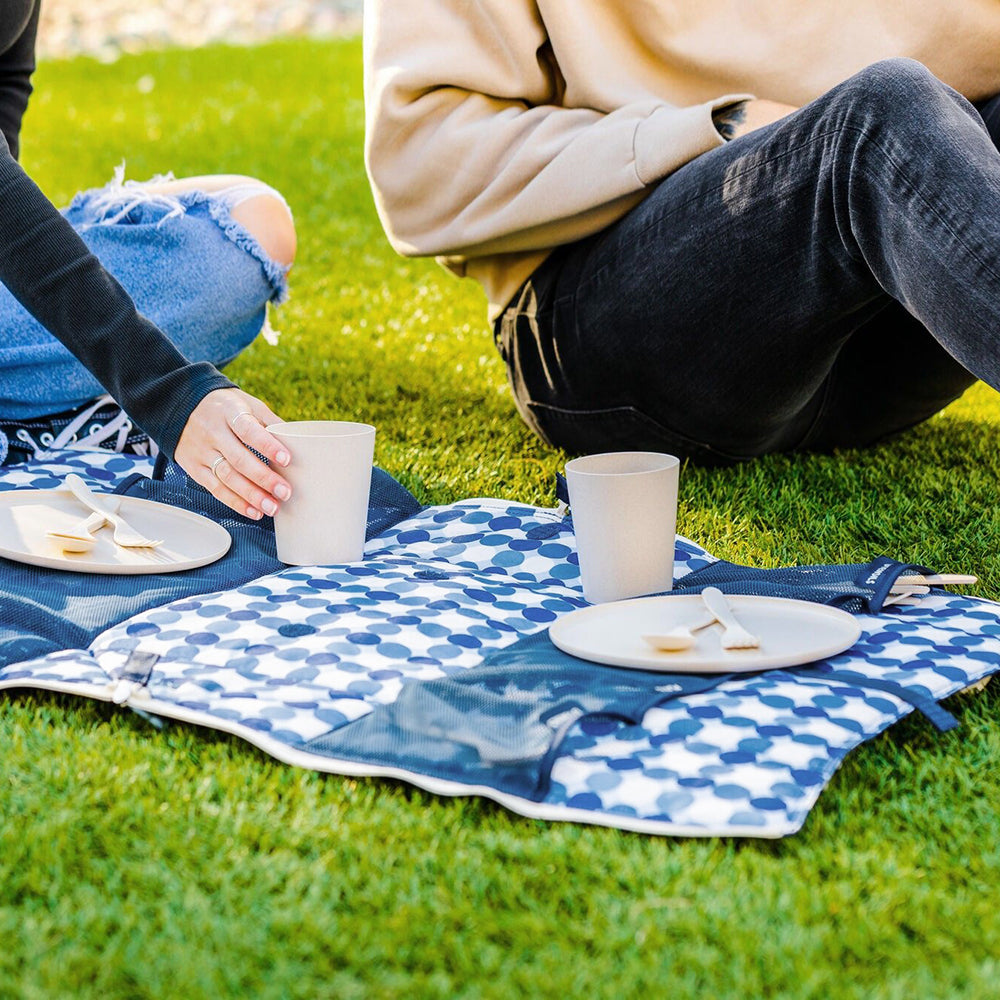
48 268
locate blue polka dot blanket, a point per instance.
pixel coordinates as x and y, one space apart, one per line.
429 661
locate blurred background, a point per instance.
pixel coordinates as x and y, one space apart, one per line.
107 28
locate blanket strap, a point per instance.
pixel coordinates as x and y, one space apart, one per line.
940 717
133 674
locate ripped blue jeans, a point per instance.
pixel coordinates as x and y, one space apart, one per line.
195 272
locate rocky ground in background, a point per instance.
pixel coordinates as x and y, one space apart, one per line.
107 28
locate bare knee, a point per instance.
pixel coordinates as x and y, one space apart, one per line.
268 220
263 215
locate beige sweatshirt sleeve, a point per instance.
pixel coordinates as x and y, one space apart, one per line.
468 149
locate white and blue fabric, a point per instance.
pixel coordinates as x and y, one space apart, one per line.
46 610
429 661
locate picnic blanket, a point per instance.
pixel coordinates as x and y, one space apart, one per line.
45 610
429 661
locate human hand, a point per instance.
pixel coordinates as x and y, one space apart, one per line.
735 120
214 451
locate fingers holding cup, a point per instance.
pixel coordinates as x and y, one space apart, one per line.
256 481
220 446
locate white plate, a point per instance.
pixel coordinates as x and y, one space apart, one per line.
790 632
189 540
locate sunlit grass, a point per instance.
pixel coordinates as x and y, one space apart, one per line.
187 864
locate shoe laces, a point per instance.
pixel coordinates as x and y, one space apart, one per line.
95 436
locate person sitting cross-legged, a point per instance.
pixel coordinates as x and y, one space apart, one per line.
711 229
133 296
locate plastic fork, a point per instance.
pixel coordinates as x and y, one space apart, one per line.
125 535
734 636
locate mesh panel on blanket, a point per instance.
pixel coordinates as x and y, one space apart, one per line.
859 588
46 610
501 724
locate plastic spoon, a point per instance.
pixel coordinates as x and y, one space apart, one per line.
680 637
80 537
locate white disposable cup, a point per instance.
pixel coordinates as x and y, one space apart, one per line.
330 473
624 507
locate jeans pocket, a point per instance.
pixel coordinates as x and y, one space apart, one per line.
616 428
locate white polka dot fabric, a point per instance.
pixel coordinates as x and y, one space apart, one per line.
291 657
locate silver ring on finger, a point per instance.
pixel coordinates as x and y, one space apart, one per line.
232 420
215 466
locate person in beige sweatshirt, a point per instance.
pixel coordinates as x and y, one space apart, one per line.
717 229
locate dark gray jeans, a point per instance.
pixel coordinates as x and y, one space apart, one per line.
824 281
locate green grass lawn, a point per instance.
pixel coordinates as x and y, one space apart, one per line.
187 864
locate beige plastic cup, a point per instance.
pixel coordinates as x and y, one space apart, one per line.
330 473
624 507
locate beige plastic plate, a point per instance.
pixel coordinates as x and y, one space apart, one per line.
189 540
790 632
